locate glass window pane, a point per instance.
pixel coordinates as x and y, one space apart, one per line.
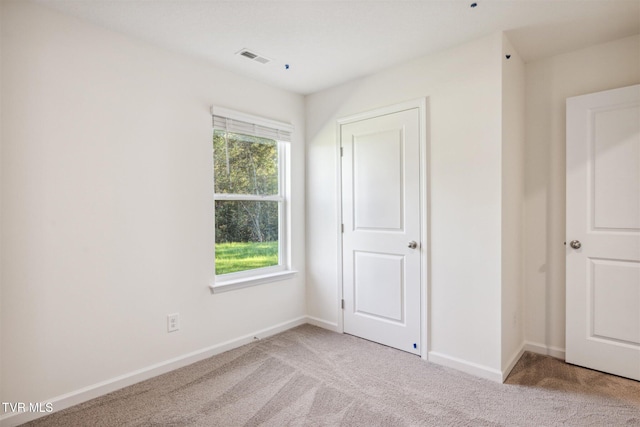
244 164
246 235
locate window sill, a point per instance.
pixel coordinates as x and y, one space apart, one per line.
245 282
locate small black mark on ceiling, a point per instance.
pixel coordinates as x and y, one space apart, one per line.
474 4
507 56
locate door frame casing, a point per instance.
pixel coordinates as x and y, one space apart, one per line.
422 105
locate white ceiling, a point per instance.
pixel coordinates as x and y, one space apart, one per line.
328 42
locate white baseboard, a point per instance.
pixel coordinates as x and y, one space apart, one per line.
465 366
322 323
475 369
512 362
558 353
96 390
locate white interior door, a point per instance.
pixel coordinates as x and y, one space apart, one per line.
381 237
603 231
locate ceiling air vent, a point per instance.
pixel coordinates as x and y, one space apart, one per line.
253 56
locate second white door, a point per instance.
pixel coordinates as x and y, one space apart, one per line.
381 220
603 231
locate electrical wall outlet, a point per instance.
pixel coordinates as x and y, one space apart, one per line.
173 322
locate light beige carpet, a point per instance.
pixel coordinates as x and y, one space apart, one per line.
311 377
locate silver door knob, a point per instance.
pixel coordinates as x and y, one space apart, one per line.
413 244
575 244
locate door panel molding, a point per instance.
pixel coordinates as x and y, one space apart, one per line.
365 271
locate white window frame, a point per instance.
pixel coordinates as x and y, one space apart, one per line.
243 279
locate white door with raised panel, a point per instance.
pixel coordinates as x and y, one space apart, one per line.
381 217
603 231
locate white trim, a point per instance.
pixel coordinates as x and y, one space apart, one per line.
534 347
339 231
395 108
422 106
250 118
514 359
465 366
321 323
96 390
254 280
248 197
425 268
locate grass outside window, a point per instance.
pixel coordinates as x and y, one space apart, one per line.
241 256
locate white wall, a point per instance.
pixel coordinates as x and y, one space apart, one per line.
548 83
513 102
107 205
464 90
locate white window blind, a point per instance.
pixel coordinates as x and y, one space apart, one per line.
241 123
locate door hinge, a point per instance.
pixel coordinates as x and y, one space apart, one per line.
341 152
342 304
342 228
